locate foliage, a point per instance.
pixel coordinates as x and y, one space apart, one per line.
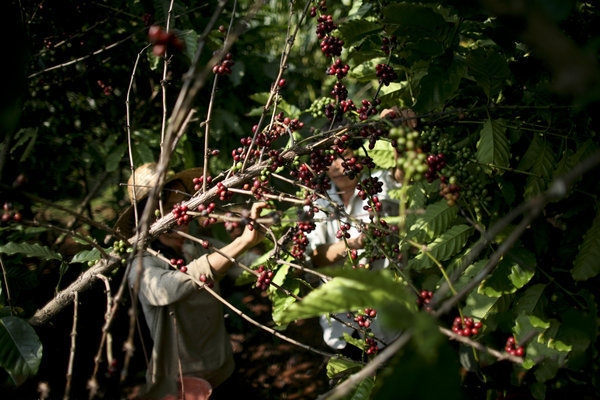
505 231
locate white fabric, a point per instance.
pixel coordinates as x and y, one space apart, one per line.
327 226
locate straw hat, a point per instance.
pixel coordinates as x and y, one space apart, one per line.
146 177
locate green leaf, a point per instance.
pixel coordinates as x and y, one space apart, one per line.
365 71
30 250
493 146
443 247
530 300
439 85
20 349
406 373
364 389
86 255
478 305
539 159
489 69
114 158
357 30
352 290
438 216
468 274
512 273
282 301
416 22
586 263
190 38
383 154
341 366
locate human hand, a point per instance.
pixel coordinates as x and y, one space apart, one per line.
409 116
252 234
357 242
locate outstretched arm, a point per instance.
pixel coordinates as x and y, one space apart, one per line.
221 261
330 253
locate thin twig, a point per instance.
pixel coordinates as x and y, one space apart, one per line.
73 347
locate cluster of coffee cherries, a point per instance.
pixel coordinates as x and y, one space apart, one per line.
178 263
332 46
120 247
512 348
260 185
106 88
224 67
373 133
207 209
162 41
424 299
338 68
387 43
353 166
334 112
412 159
322 7
364 319
383 243
340 94
305 219
180 212
466 326
435 163
299 244
10 214
369 187
371 347
385 73
450 191
368 108
281 125
265 277
325 26
224 193
199 181
342 232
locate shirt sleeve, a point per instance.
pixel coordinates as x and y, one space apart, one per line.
160 284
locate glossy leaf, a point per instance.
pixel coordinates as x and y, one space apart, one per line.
443 247
30 250
351 290
437 219
20 349
513 272
493 147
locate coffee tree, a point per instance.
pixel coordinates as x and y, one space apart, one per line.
492 275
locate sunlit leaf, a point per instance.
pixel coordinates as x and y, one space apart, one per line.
443 247
351 290
86 255
437 218
512 273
